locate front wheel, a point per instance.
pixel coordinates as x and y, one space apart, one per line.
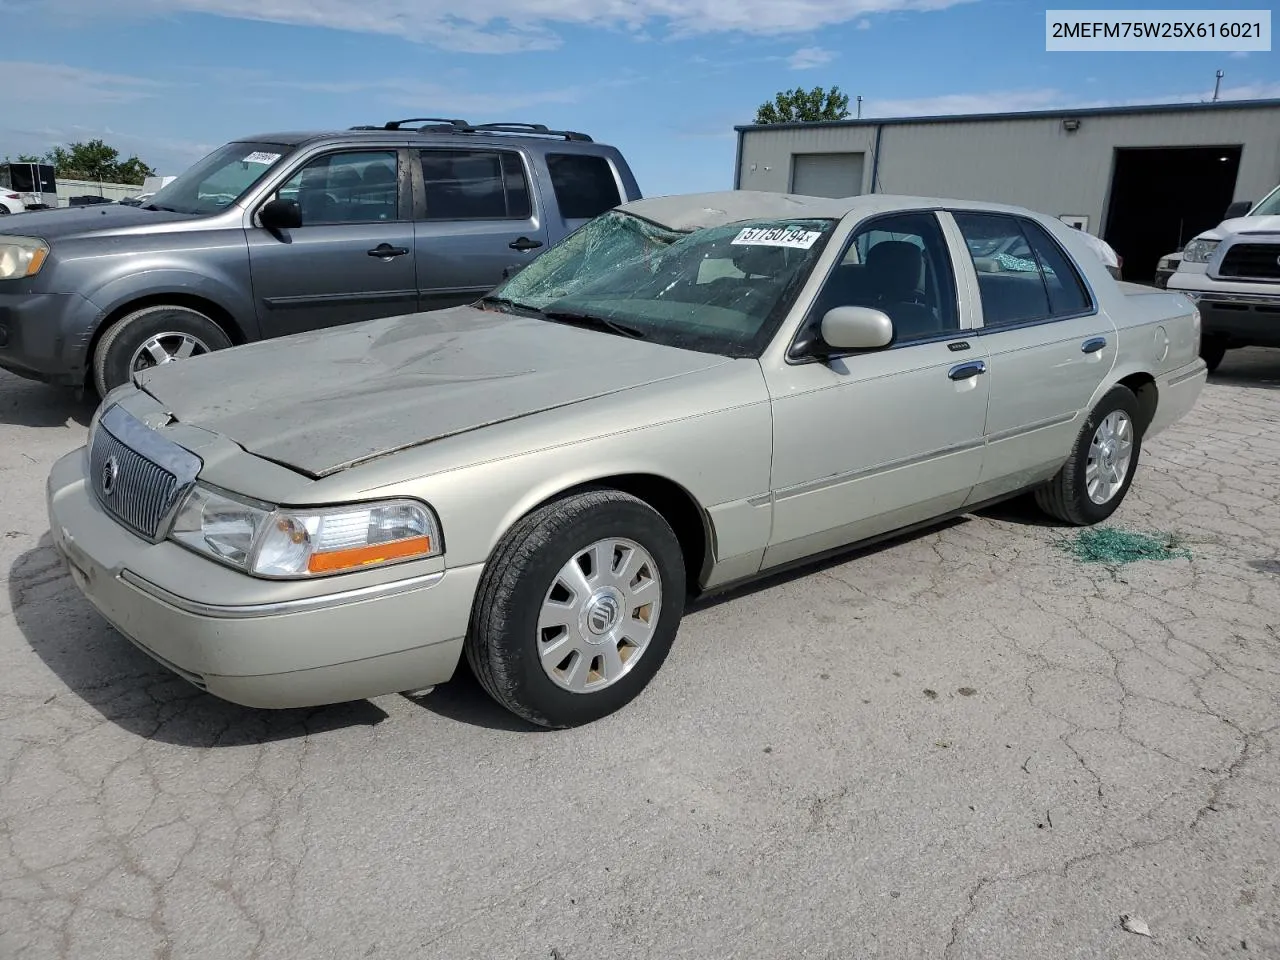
150 337
577 609
1094 480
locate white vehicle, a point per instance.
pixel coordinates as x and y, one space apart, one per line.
11 202
1232 272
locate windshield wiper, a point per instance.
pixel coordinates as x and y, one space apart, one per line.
512 306
593 321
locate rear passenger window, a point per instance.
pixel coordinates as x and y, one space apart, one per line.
1023 275
584 185
1067 293
475 185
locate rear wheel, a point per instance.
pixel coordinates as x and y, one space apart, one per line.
1094 480
150 337
1213 349
577 609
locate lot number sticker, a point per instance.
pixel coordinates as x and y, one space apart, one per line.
776 237
260 157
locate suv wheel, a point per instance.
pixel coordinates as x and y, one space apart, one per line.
1213 349
577 608
149 337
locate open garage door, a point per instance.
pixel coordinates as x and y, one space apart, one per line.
1161 198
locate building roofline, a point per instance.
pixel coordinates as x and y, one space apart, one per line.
1019 115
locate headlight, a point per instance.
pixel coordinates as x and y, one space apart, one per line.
21 257
280 542
1199 251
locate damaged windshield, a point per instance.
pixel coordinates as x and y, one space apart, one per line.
719 289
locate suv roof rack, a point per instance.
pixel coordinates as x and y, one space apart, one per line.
448 125
397 124
535 128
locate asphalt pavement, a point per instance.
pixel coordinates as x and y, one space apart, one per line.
966 744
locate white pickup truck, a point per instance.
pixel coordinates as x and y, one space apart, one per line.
1232 273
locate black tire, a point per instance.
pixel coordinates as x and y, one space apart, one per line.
114 353
1066 496
1212 350
502 641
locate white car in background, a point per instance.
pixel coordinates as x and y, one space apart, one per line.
11 202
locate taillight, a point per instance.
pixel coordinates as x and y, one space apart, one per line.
13 196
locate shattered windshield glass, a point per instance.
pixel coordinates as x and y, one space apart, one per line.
718 289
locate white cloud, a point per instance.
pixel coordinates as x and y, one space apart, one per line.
806 58
504 26
58 83
1238 54
864 24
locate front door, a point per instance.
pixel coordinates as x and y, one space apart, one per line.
880 439
352 259
1048 345
478 223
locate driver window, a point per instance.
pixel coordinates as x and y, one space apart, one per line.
346 188
899 265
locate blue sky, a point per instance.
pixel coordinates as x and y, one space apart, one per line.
664 80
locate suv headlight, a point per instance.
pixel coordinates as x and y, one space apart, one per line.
21 257
286 543
1199 251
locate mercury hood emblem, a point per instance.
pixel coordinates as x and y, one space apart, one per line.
110 473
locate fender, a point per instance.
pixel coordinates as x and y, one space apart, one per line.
221 291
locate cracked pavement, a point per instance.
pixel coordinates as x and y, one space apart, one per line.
966 744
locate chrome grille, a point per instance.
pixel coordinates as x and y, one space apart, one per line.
138 476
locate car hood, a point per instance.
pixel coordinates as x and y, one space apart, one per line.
1241 226
64 222
323 401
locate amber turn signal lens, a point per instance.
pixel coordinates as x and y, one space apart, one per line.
362 556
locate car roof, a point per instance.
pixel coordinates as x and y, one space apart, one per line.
693 211
435 134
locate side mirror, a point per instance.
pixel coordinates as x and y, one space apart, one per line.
856 328
281 215
1237 209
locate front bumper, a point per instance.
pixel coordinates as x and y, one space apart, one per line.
1236 311
331 648
45 336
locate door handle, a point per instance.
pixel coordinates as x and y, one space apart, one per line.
386 251
1094 344
524 243
964 371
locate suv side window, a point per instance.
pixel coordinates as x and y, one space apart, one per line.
1023 275
475 185
897 264
584 185
346 188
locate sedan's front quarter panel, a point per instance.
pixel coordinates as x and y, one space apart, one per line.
708 434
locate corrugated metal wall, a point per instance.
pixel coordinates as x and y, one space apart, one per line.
1032 162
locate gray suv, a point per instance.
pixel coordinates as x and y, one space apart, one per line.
289 232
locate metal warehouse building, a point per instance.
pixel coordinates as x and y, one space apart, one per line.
1145 178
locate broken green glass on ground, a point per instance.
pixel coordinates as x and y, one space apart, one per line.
1116 547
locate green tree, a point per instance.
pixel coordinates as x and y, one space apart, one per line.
804 106
95 160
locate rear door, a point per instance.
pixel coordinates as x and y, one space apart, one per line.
353 257
477 219
1048 346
